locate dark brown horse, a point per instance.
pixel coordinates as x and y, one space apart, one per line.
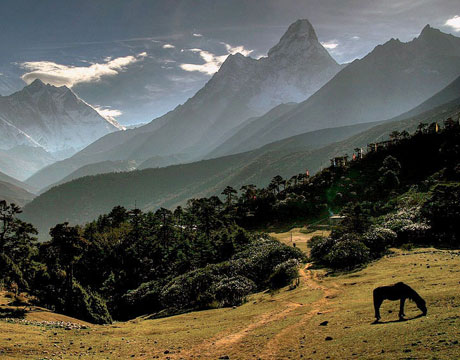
398 291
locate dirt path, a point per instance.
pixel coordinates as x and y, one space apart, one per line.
309 280
273 347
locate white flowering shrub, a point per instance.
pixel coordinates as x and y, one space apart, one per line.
347 254
229 282
378 239
231 291
408 224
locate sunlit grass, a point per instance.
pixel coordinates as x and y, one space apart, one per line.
280 325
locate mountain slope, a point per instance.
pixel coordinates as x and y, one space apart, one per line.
22 161
240 141
392 79
6 178
14 194
102 167
84 199
243 88
50 117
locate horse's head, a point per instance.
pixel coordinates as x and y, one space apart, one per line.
421 304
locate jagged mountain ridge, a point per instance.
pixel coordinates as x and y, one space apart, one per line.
243 88
50 117
394 78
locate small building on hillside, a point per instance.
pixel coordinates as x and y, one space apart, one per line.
380 145
339 161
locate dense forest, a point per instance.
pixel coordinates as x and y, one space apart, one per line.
212 253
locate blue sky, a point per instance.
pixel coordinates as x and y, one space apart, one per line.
138 59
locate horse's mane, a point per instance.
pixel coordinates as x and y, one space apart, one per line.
414 296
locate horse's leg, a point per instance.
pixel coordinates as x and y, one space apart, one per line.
377 302
401 308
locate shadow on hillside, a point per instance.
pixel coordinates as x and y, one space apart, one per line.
396 321
12 313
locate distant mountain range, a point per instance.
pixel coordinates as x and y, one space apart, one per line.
52 119
221 119
243 88
83 199
392 79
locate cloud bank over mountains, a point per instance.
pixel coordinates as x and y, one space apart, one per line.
58 74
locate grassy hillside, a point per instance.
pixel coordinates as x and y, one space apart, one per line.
282 325
83 199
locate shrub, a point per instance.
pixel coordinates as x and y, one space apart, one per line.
189 291
145 299
347 254
378 239
231 291
284 273
89 306
442 210
415 233
320 248
263 256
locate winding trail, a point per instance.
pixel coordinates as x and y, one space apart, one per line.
223 343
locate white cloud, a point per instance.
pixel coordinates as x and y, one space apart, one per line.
168 46
197 35
454 23
330 45
108 112
355 38
213 62
58 74
237 49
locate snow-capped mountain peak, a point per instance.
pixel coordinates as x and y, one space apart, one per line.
53 117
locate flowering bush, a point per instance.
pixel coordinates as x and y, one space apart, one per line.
415 232
230 291
347 254
284 273
320 248
227 283
378 239
408 224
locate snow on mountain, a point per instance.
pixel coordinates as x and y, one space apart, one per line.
50 117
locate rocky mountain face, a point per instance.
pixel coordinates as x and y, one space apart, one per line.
243 88
394 78
50 117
